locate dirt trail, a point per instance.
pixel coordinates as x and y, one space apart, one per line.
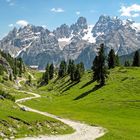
82 131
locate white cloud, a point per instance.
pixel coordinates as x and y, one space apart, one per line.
137 25
22 23
11 25
57 10
44 26
10 2
78 13
130 11
136 15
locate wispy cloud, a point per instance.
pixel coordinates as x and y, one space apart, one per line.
78 12
11 25
22 22
57 10
10 2
130 11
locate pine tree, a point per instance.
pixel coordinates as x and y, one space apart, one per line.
77 73
10 76
117 62
72 72
71 62
15 68
136 59
127 64
111 59
95 69
62 69
99 68
46 75
1 70
20 67
29 79
51 71
82 68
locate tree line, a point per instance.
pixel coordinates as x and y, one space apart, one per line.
16 65
100 67
101 64
136 60
70 68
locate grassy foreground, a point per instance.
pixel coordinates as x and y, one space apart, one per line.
116 106
15 123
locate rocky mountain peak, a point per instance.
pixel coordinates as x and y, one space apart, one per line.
79 26
82 22
106 24
39 46
63 31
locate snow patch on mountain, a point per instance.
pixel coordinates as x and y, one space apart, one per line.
63 42
64 39
79 41
88 34
136 26
24 49
51 34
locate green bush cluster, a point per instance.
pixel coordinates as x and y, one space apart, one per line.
7 95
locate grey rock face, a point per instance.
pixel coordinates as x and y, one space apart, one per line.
19 39
39 46
79 26
117 35
62 32
44 50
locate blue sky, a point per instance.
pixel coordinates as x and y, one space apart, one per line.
53 13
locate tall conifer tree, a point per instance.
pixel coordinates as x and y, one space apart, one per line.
136 59
100 72
111 59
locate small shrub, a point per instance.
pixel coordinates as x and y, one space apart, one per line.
7 95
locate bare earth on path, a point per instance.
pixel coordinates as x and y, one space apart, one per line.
82 131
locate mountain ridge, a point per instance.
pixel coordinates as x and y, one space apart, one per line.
79 41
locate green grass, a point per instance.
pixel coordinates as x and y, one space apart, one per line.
116 106
17 123
8 87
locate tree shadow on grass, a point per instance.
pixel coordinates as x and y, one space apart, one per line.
70 85
88 83
88 92
63 85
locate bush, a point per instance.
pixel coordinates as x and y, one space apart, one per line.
5 78
7 95
1 70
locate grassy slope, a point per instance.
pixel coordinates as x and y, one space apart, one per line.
115 106
10 88
18 123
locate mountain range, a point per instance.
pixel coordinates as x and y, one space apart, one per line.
80 41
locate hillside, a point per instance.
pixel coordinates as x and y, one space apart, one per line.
114 106
15 121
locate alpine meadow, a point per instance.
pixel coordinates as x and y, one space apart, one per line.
70 70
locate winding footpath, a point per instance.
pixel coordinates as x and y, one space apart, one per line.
82 131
